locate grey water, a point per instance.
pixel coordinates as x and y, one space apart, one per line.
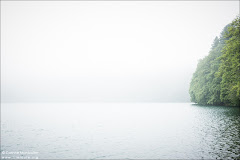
119 131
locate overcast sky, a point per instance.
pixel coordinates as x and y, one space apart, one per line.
136 51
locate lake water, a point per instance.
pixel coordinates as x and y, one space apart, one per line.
119 131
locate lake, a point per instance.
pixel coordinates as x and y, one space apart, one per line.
119 131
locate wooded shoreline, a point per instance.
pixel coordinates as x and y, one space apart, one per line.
216 80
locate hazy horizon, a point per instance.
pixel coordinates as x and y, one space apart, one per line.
108 51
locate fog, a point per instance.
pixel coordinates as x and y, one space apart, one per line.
107 51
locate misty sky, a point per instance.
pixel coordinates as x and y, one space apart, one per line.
116 51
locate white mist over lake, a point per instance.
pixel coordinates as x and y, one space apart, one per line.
135 51
131 54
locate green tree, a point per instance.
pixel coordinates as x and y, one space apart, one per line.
216 80
229 69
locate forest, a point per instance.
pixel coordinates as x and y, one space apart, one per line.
216 80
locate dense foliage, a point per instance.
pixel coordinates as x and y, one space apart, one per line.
216 80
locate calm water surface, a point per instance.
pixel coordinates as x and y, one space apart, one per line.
119 131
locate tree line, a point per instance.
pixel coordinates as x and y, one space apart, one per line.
216 80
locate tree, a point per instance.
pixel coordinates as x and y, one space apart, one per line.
230 67
216 80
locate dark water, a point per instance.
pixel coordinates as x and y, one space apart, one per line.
119 131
